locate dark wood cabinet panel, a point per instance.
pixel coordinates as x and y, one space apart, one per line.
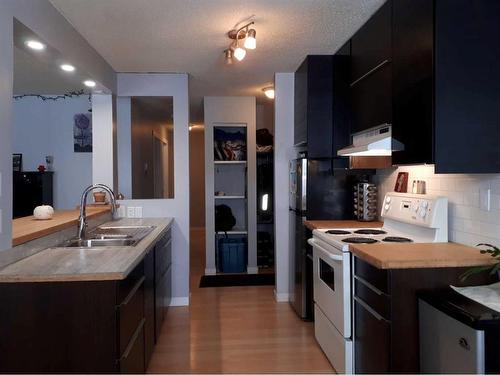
149 304
467 86
446 86
133 359
412 80
322 105
371 101
371 45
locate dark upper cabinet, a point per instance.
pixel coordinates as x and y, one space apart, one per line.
371 74
321 97
446 84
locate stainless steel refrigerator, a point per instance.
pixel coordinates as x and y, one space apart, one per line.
320 189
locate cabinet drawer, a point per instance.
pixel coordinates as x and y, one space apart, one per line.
125 286
130 313
132 360
375 298
374 276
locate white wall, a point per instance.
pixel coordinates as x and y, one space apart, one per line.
43 128
265 116
103 141
175 85
468 223
283 153
52 27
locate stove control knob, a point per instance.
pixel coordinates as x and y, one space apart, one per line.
388 200
386 207
425 204
422 213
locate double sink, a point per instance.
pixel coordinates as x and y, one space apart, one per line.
111 236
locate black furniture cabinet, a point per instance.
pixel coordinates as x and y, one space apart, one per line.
163 275
321 89
85 326
31 189
386 330
446 84
371 73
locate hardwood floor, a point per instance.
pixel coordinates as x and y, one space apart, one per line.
234 330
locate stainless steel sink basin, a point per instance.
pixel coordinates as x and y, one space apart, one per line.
112 236
101 242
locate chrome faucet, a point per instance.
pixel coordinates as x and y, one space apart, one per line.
82 220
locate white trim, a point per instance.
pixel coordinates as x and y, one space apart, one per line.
179 301
252 270
210 271
281 297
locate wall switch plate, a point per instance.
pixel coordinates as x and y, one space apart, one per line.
485 199
138 212
121 212
131 212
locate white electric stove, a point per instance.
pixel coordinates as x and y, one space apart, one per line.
407 218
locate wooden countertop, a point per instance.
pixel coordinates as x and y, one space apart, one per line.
28 228
328 224
420 255
86 264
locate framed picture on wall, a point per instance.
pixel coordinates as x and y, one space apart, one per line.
17 162
401 182
82 132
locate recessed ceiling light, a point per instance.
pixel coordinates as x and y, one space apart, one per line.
89 83
35 44
68 68
269 92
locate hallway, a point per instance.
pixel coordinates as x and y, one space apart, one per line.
234 330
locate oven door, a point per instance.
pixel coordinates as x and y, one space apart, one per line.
332 284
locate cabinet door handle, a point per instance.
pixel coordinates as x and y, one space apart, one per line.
313 243
132 341
131 294
371 71
370 286
375 314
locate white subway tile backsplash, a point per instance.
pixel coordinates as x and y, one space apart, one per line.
468 223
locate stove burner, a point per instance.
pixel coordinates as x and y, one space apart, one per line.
396 239
370 231
337 231
359 240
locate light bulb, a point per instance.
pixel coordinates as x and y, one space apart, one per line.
89 83
250 41
68 68
239 53
35 44
269 92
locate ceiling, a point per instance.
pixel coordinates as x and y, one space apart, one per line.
189 36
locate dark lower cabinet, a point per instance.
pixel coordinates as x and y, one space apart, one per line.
386 330
86 326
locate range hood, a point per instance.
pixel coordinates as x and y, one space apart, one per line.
375 141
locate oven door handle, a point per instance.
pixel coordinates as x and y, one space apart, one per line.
337 258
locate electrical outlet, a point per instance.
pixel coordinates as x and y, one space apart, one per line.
131 212
138 212
485 199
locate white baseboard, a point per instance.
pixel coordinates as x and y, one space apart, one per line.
210 271
252 270
179 301
281 297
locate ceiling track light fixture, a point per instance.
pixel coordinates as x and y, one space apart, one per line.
234 50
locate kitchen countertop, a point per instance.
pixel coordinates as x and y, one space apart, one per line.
420 255
329 224
27 228
92 264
